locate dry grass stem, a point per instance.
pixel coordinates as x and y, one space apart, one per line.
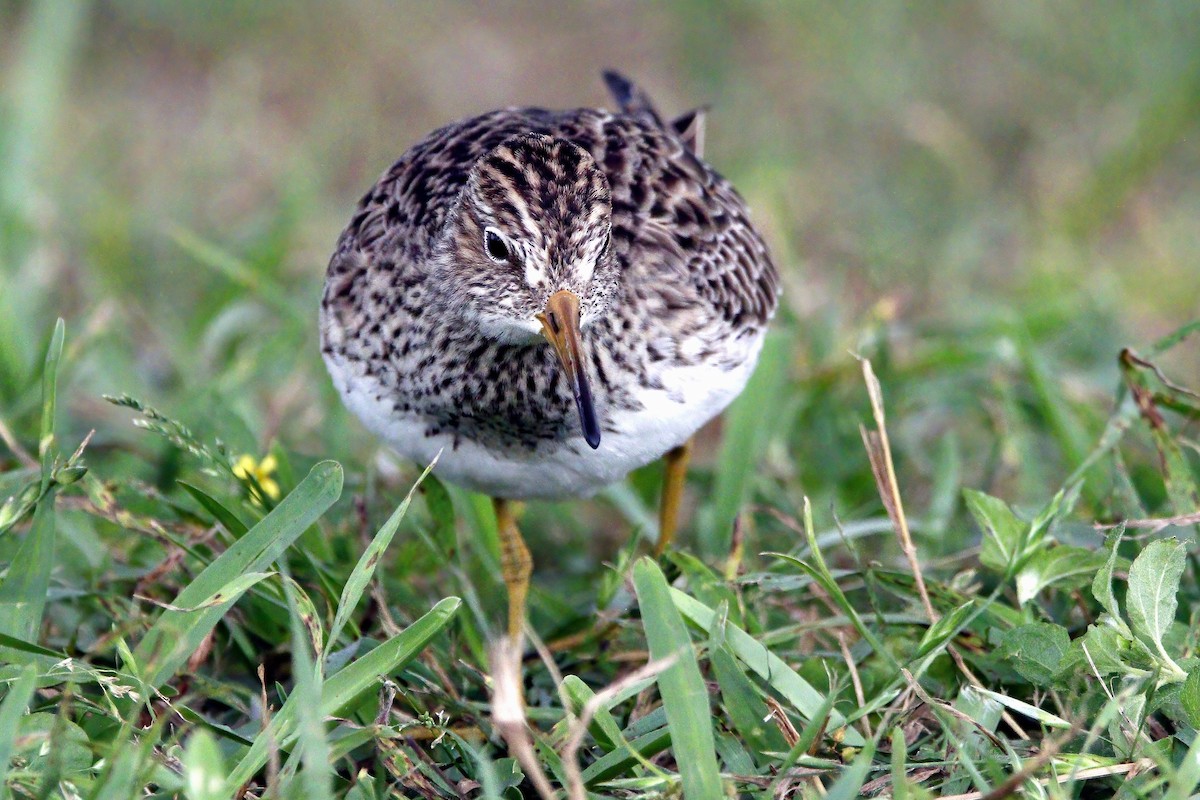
579 725
508 713
855 680
879 452
1153 525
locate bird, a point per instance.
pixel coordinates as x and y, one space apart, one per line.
549 299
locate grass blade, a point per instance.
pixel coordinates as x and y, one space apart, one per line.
684 694
314 746
746 709
177 634
46 447
220 513
345 687
603 727
352 592
235 588
778 675
643 747
23 591
1187 777
1031 711
16 700
29 647
223 262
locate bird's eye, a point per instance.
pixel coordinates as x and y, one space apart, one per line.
497 248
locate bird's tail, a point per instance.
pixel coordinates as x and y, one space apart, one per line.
631 98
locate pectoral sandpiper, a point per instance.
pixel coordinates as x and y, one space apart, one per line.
550 299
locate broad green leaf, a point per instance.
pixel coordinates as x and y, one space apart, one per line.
177 634
1073 566
352 592
1153 585
684 695
1036 651
1003 531
775 671
345 687
1105 646
1189 697
1102 584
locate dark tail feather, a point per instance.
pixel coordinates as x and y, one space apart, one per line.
631 98
689 128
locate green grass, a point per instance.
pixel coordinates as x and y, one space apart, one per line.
988 202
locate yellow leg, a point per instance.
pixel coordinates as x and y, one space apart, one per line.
515 564
672 496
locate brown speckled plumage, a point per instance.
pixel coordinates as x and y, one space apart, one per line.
420 314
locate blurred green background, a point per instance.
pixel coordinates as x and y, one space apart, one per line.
1012 189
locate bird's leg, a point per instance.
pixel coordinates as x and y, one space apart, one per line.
672 495
515 564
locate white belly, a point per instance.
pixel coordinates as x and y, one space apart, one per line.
691 397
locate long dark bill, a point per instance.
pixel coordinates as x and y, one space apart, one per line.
560 326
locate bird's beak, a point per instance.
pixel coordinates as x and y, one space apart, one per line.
560 326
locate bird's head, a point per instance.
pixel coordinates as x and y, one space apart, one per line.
525 257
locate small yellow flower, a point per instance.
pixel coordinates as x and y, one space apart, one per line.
248 467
